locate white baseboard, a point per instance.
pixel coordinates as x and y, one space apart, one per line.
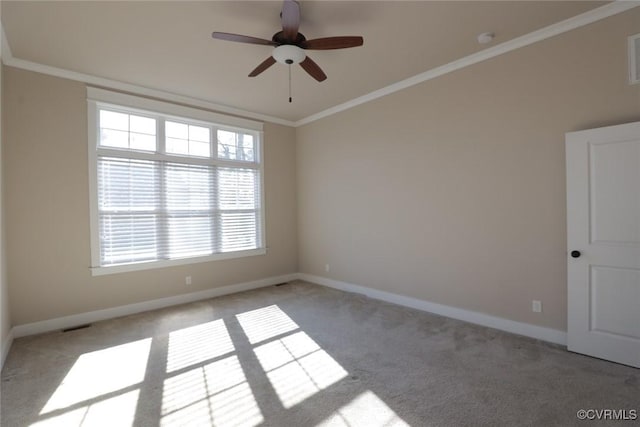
538 332
526 329
124 310
6 345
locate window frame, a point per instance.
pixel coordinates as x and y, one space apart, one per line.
130 104
634 60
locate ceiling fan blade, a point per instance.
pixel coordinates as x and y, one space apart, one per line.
242 39
290 20
313 69
326 43
263 66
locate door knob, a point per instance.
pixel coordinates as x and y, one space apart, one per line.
575 254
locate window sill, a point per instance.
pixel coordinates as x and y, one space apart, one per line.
152 265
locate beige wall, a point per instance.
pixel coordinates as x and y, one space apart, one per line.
47 210
5 319
453 191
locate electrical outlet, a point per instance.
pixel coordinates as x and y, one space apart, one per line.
187 280
536 306
327 268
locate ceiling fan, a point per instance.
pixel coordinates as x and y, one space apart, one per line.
290 45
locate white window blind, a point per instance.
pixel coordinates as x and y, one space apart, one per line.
171 188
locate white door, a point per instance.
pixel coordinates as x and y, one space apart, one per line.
603 228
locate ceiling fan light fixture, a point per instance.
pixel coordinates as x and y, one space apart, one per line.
289 54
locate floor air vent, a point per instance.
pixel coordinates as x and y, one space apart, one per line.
75 328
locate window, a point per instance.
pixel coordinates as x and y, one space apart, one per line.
170 184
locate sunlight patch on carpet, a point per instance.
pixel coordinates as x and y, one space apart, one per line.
365 410
265 323
119 410
101 372
215 394
298 368
197 344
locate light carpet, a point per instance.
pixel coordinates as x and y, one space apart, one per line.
303 355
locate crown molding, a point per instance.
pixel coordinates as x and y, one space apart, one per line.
10 60
569 24
141 90
586 18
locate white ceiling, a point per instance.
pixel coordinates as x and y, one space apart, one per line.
168 46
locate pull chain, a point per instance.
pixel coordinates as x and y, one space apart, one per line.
289 82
